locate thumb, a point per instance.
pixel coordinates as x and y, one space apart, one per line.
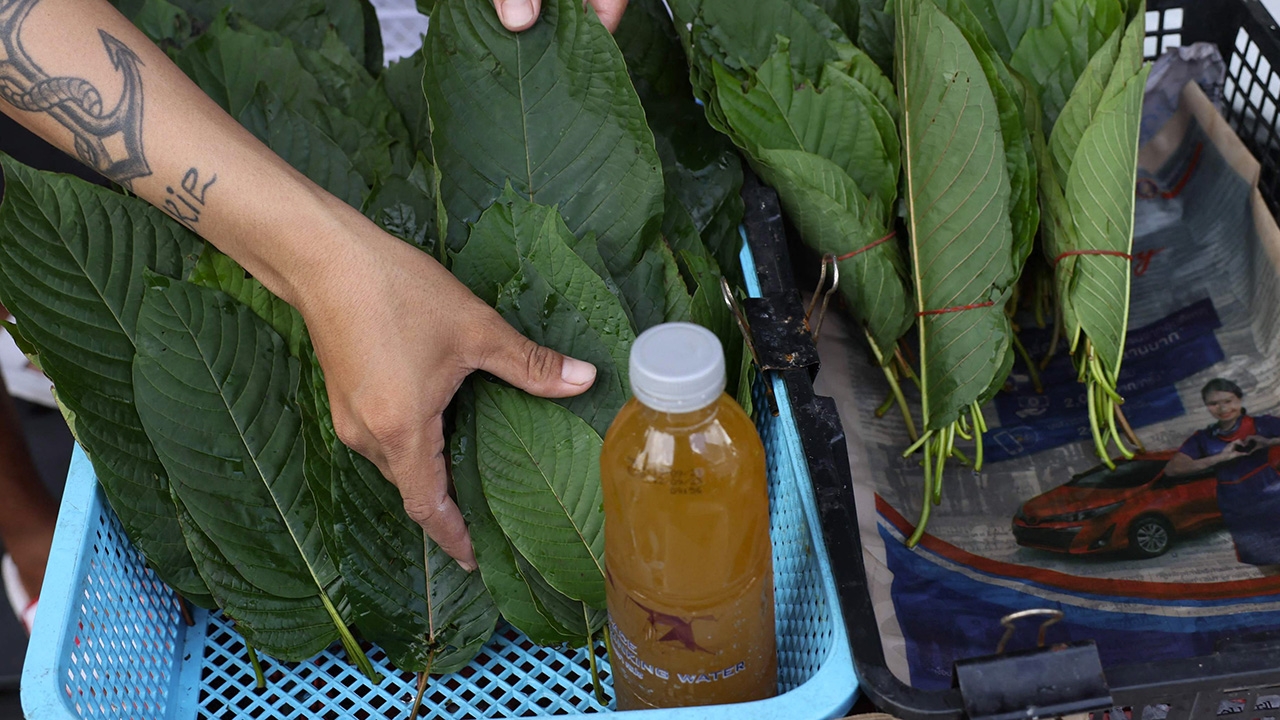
609 12
533 368
517 15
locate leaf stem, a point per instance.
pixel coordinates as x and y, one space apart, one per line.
979 427
921 442
1031 366
1128 431
944 438
905 366
927 505
1099 445
884 407
1054 339
894 388
185 609
591 658
1114 433
357 656
257 666
423 678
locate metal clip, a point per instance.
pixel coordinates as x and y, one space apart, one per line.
1009 620
815 326
745 328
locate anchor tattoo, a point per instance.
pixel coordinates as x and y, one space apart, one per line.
109 142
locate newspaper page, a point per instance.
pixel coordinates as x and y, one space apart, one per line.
1147 564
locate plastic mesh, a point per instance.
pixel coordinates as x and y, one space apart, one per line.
132 657
512 677
120 659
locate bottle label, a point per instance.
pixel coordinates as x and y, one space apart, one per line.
628 656
664 657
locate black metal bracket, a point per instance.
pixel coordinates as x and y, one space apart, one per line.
780 332
1040 683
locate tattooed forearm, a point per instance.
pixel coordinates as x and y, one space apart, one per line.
186 202
108 141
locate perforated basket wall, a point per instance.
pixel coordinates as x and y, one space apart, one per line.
110 641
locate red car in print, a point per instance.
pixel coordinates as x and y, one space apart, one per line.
1133 507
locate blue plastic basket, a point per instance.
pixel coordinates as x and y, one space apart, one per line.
110 641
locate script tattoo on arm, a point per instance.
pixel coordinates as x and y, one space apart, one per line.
108 141
186 202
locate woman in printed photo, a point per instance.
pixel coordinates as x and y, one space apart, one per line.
1238 446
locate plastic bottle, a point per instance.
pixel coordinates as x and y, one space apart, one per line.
687 552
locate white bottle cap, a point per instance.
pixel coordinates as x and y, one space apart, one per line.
677 367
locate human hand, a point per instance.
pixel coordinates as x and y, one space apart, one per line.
396 335
1253 443
517 15
1232 451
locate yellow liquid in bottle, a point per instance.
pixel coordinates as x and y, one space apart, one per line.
688 558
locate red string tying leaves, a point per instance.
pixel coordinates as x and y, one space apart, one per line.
865 248
1110 253
957 308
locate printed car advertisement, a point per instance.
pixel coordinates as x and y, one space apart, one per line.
1165 554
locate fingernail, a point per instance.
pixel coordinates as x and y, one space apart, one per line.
516 13
467 565
577 372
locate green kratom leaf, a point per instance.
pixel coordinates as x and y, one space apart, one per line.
522 259
1100 199
289 629
718 31
318 438
514 585
561 304
709 310
540 468
165 23
304 146
402 81
958 199
832 216
215 392
837 120
572 133
657 272
862 68
1078 111
305 22
374 152
215 389
578 139
1018 154
884 120
406 208
72 256
387 560
218 272
1128 60
1055 55
876 33
1006 21
651 49
582 621
701 169
843 13
229 64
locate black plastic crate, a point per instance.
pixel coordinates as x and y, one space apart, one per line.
1052 681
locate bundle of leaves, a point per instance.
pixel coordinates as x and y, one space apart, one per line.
923 189
198 397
